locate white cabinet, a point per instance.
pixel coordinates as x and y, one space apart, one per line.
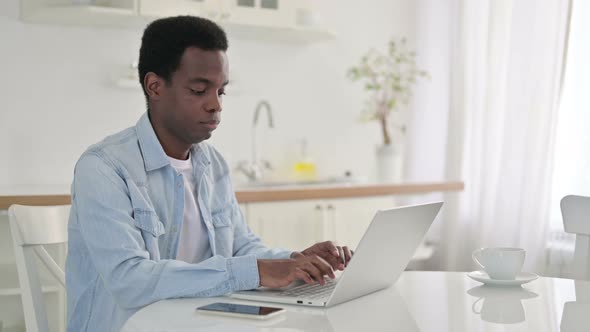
115 13
290 225
268 13
159 8
282 20
298 224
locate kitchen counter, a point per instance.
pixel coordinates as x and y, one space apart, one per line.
56 195
295 193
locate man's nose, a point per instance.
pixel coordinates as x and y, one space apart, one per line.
214 104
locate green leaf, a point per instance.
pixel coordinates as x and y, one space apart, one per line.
391 103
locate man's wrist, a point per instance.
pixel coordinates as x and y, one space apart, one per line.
244 272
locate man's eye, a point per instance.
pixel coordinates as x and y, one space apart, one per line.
221 93
198 92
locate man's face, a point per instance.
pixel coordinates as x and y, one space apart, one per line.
191 102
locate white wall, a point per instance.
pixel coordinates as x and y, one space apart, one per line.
57 97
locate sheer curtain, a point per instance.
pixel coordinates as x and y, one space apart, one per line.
572 160
508 59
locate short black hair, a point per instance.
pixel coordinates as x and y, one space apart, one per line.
165 40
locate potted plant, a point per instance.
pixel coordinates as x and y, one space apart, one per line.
388 79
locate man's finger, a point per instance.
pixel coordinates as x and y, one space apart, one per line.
324 267
347 255
300 274
328 246
314 272
341 259
296 255
332 260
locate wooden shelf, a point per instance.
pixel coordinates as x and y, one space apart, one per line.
86 16
43 196
277 34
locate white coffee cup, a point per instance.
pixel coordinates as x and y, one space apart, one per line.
500 263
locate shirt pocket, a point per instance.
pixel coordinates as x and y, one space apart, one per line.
221 219
151 229
224 233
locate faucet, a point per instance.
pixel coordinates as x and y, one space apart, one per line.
254 169
261 104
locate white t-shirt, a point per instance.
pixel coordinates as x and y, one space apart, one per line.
194 245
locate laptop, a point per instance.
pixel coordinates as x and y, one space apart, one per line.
381 256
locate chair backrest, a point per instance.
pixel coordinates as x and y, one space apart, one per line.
576 219
31 228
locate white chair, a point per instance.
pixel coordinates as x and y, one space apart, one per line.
31 228
576 219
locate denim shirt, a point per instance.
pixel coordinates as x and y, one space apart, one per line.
124 229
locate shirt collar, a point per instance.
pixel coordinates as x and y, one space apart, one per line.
153 154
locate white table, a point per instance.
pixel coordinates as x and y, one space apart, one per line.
420 301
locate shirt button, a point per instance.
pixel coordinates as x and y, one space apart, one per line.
173 229
178 185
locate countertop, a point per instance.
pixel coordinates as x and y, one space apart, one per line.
60 194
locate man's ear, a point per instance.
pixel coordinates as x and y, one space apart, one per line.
153 85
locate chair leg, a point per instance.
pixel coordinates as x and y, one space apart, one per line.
62 311
30 285
31 294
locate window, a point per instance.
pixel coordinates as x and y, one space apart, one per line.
572 155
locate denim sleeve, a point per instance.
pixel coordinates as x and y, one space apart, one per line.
118 250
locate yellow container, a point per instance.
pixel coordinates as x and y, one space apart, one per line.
304 169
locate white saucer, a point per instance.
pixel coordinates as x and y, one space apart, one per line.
521 278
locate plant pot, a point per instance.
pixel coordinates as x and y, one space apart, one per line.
389 163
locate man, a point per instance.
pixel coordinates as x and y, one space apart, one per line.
153 213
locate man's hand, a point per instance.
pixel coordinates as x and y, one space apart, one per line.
276 273
338 257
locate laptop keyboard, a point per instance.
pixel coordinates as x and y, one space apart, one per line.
315 291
